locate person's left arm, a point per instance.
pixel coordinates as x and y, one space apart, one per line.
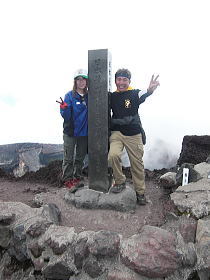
154 83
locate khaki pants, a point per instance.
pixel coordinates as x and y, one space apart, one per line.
134 147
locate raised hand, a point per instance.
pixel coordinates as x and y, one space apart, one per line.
154 83
63 105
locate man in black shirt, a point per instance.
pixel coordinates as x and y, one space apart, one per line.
127 132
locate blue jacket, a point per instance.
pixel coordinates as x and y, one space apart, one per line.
75 115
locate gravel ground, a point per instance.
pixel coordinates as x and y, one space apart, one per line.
127 224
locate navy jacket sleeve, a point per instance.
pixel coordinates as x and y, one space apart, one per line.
143 97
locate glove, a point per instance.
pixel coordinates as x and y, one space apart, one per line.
63 105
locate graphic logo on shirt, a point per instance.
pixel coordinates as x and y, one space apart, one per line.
127 103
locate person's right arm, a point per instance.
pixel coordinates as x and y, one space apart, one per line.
66 107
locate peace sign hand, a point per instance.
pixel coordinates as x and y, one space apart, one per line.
154 83
63 105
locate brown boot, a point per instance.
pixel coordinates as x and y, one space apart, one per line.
141 199
117 188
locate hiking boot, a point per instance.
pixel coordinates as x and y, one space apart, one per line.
76 187
117 188
141 199
76 181
69 184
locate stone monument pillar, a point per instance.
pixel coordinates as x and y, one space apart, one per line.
99 72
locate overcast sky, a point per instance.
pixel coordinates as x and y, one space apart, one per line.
44 41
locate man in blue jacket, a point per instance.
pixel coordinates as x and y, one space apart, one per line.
127 132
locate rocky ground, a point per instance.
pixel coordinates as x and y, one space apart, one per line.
46 180
46 183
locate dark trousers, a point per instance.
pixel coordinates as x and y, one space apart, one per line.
75 149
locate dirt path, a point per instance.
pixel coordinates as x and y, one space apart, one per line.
84 219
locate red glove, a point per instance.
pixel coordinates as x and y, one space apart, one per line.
63 105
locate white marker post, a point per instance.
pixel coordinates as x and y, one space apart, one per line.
185 176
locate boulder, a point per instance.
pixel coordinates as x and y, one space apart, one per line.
168 180
151 253
32 236
193 199
203 247
104 243
93 268
185 225
194 176
91 199
195 149
60 268
203 169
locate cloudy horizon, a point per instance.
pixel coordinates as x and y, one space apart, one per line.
44 42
